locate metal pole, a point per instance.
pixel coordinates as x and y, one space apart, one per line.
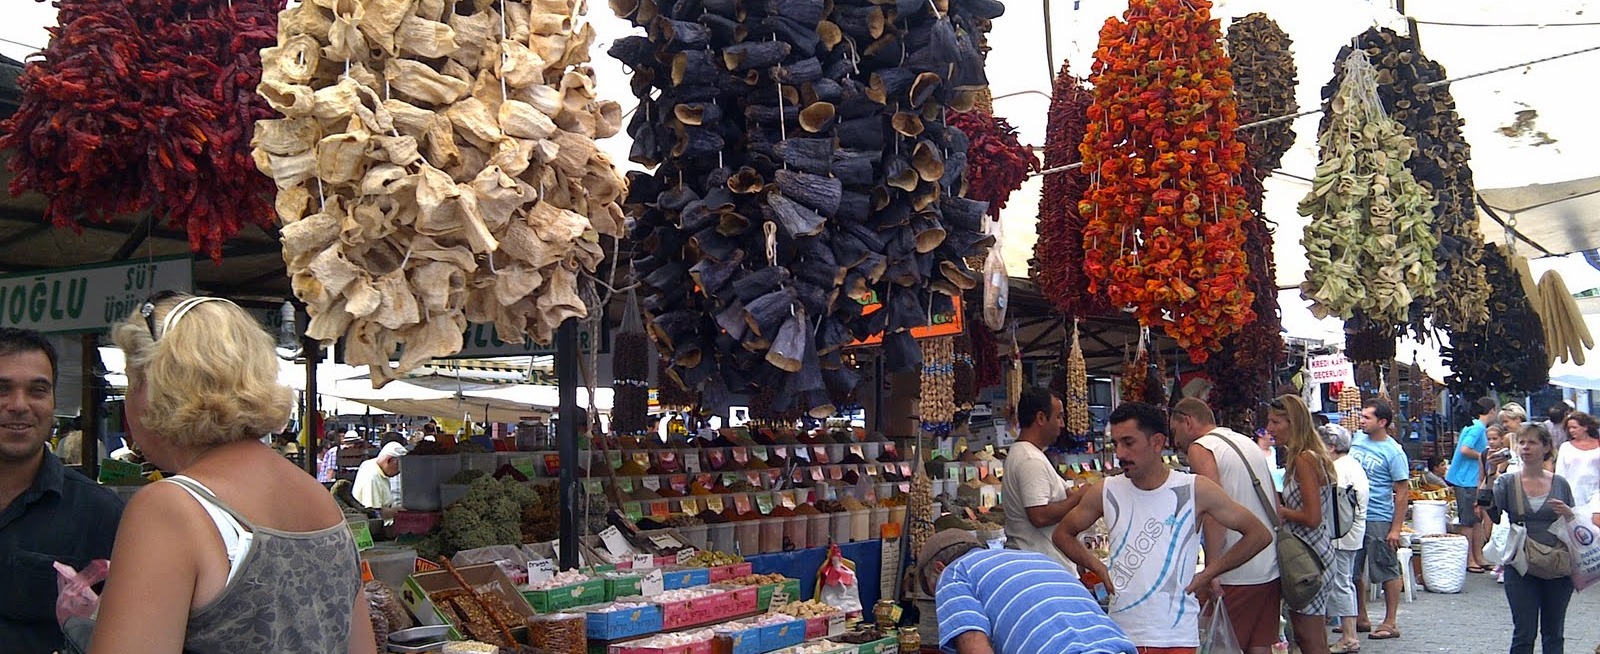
566 366
93 396
314 426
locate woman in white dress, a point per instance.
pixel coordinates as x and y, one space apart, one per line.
1579 459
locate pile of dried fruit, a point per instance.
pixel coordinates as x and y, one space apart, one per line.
1507 353
1165 210
129 111
1057 264
1264 79
803 168
1370 241
436 167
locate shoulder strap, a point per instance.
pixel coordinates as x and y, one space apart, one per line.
1255 482
202 493
1520 501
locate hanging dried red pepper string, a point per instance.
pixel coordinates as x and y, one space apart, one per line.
1165 215
1057 264
147 106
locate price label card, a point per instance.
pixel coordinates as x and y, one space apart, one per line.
754 477
889 449
642 562
764 503
594 487
905 470
665 541
625 483
741 455
686 554
856 450
800 452
760 452
679 483
717 458
660 510
835 472
652 483
615 458
836 625
819 454
715 503
552 465
729 479
362 533
635 510
706 480
689 505
366 571
615 542
540 570
742 502
642 458
816 474
973 472
691 463
653 584
118 470
668 461
780 596
787 499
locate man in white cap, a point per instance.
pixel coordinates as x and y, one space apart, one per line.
1001 601
372 485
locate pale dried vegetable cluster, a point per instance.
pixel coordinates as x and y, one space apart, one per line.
1370 242
938 399
436 167
1077 397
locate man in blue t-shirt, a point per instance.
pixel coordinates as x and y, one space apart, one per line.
1466 470
1011 602
1389 480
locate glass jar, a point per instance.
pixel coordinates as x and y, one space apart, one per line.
887 614
910 641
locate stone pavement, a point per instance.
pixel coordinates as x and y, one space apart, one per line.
1475 621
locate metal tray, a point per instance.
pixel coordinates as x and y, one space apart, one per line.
419 639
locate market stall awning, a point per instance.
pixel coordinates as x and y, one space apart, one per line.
1554 218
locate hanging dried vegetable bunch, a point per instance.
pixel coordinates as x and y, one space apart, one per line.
1013 371
1077 395
1440 164
670 392
986 360
1136 371
1566 333
436 167
630 407
1370 241
1155 378
966 388
1165 210
1350 404
1264 79
1057 264
803 168
1243 378
937 407
997 162
128 111
1507 353
1369 340
1424 392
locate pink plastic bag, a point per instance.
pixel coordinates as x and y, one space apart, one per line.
75 595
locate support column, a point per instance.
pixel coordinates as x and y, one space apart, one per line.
566 365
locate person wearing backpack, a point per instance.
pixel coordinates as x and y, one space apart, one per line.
1307 511
1350 507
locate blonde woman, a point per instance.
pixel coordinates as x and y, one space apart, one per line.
241 551
1307 508
1512 416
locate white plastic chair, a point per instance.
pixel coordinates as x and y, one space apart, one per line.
1375 591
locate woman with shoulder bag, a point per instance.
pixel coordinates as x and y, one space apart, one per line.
1307 509
1535 499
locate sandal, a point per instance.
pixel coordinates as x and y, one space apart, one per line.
1364 628
1343 648
1477 569
1384 632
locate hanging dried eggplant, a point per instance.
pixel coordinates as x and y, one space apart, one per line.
1264 79
1507 353
965 388
803 170
630 406
436 169
1440 163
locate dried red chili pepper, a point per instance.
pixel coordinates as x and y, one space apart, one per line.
1057 264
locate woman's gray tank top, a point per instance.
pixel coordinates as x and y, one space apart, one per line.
293 593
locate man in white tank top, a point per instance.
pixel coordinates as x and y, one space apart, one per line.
1153 516
1251 591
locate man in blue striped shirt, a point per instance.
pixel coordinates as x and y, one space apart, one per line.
1011 602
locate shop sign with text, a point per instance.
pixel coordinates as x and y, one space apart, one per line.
88 298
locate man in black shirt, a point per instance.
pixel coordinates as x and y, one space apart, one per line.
47 512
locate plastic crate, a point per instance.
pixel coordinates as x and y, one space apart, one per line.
739 600
613 625
746 641
416 522
889 645
723 573
624 586
566 597
765 592
783 634
678 578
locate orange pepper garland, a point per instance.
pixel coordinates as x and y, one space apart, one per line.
1165 211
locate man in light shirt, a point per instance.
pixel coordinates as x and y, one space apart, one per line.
1032 493
1251 592
372 486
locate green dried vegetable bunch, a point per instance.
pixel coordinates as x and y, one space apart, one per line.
1370 241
